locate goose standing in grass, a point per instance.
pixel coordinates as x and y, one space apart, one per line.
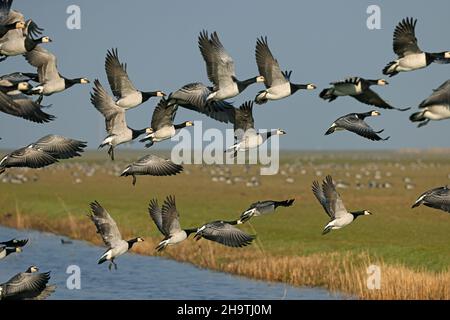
162 127
358 88
354 122
333 205
220 69
50 80
278 84
42 153
6 251
167 221
264 207
28 285
438 198
14 102
435 107
410 57
193 96
244 130
151 165
127 95
108 230
115 120
225 232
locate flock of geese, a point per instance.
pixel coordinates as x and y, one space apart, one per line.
19 36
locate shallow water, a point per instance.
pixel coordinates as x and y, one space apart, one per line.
137 277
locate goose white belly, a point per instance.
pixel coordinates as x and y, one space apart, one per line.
177 238
163 133
412 62
130 101
116 139
278 92
340 222
54 86
225 93
437 112
251 141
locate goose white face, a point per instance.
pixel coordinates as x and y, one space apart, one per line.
375 113
22 86
84 81
46 39
139 239
189 123
149 131
20 25
311 86
34 269
382 82
367 213
18 249
280 132
260 79
160 94
447 55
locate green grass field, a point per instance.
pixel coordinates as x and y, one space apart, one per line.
419 238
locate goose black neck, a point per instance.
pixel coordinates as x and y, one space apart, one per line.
147 95
356 214
180 126
190 231
242 85
132 242
31 43
295 87
71 82
431 57
137 133
364 115
10 250
371 82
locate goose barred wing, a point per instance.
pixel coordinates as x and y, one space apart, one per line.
25 286
370 97
244 117
153 165
22 106
156 214
163 115
405 41
440 95
226 234
360 127
268 66
219 64
438 198
61 147
334 202
118 79
170 216
45 62
29 157
14 243
105 225
317 190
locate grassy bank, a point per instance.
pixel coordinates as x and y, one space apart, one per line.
410 246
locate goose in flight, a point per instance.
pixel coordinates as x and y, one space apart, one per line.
438 198
435 107
167 221
278 84
151 165
162 127
264 207
28 285
193 96
358 88
42 153
225 233
115 120
127 95
410 56
244 130
220 69
50 80
333 205
14 102
108 230
15 78
14 243
354 122
12 21
7 250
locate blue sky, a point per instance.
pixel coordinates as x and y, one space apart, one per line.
321 41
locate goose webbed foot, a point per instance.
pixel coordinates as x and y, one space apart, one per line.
39 100
111 152
134 180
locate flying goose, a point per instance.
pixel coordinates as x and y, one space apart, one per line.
220 69
14 243
108 230
127 95
332 203
51 81
244 130
410 57
438 198
358 88
18 44
28 285
42 153
151 165
14 102
167 221
115 120
435 107
264 207
162 127
224 232
12 21
354 122
14 78
278 83
6 251
193 96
